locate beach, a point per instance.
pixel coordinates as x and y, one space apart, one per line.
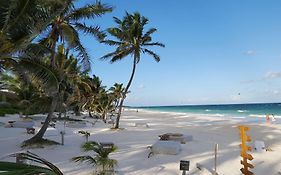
132 142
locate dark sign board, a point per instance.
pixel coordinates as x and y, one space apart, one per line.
184 165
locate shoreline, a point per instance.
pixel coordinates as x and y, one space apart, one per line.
252 118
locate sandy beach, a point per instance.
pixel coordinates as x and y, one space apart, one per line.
132 144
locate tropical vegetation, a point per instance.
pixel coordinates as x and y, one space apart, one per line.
101 161
44 167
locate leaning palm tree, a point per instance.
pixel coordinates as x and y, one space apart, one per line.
66 26
131 40
53 80
101 161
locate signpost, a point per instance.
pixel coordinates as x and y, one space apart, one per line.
184 166
244 148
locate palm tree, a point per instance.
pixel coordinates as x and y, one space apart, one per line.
25 169
22 94
21 21
116 92
66 25
131 40
103 104
53 80
101 161
86 134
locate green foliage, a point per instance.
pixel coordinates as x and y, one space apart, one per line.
21 21
85 133
66 27
101 161
8 110
10 168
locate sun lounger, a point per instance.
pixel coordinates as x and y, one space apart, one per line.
107 144
74 124
165 147
141 124
176 137
259 146
21 124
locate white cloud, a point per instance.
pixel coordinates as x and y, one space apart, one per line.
250 52
276 92
141 86
272 75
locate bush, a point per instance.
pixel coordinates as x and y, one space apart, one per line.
9 110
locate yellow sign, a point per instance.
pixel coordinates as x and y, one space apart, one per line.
244 148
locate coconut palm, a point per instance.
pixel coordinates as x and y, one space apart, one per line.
131 40
53 80
86 134
116 92
101 161
23 95
65 27
103 104
21 21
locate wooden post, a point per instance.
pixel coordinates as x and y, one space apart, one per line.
216 152
62 137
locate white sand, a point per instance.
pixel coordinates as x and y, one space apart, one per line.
132 143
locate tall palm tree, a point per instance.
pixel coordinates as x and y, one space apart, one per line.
65 27
131 40
101 161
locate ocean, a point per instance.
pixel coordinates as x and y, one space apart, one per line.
249 111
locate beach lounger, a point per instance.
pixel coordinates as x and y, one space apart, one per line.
106 144
165 147
141 124
21 124
176 137
259 146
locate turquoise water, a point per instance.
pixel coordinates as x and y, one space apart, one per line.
227 110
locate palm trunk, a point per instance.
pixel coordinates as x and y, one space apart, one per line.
90 115
53 49
43 129
125 92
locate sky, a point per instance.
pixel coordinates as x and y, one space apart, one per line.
217 52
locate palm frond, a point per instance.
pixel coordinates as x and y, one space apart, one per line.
84 159
93 30
89 11
112 42
90 146
41 72
10 168
154 44
149 32
154 55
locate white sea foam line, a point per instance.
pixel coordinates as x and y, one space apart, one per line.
242 111
263 116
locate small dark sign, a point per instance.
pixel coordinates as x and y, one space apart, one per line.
184 165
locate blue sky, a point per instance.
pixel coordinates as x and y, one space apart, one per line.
216 52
